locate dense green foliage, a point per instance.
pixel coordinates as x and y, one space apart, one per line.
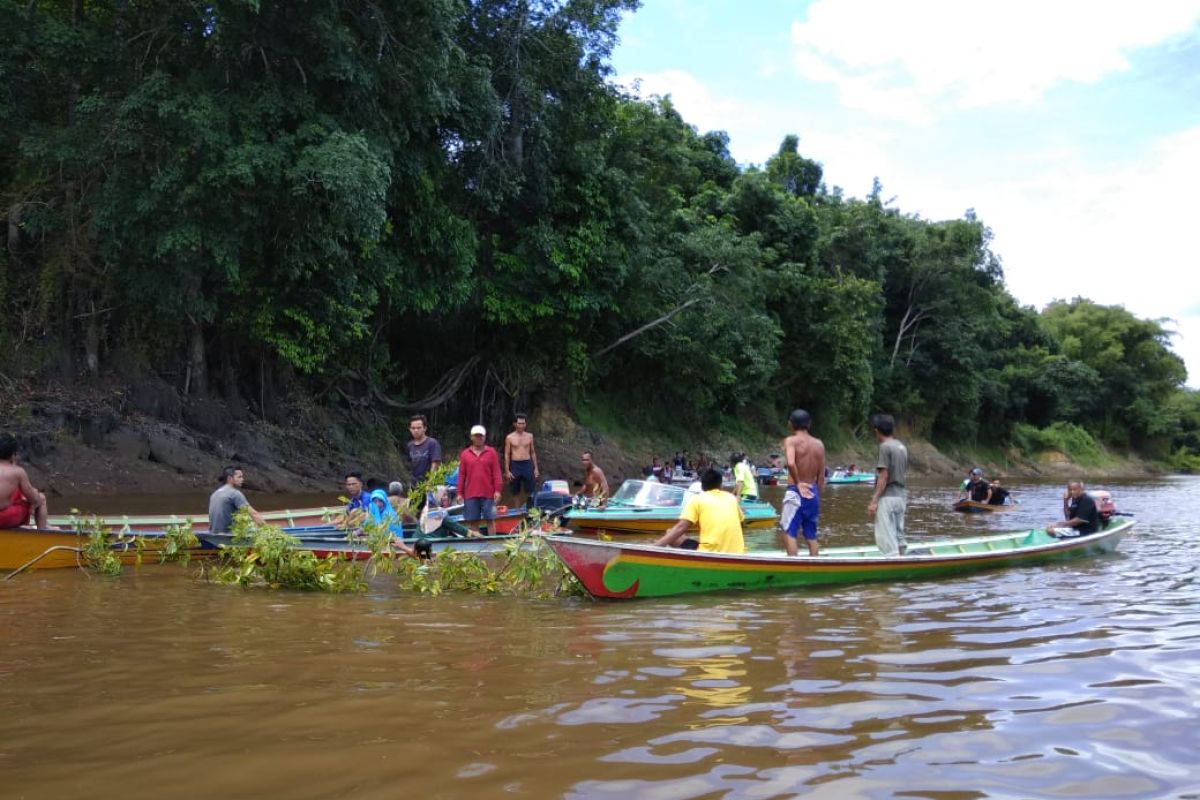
445 206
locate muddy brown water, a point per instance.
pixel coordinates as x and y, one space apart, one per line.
1078 680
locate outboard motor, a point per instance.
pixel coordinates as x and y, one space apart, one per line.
1104 504
554 496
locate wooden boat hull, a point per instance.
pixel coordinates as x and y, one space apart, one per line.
136 523
19 546
974 507
622 571
505 522
759 516
353 549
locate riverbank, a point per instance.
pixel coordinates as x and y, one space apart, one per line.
146 439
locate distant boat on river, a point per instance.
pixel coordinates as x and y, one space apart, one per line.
651 508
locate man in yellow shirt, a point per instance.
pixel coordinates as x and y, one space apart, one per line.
716 512
743 477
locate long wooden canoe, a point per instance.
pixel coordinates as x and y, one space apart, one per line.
975 507
621 570
355 548
19 546
505 522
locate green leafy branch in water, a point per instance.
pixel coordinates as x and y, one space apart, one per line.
104 550
265 556
434 478
177 544
101 548
526 567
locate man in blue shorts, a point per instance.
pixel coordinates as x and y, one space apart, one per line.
520 461
805 456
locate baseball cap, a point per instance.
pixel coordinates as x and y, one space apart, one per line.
478 429
977 471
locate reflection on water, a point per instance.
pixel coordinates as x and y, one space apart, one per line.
1075 680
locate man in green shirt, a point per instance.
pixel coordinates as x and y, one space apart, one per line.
891 493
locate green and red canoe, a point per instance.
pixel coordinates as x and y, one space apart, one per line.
621 571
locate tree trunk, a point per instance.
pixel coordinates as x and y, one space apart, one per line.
197 361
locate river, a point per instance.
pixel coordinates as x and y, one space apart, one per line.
1076 680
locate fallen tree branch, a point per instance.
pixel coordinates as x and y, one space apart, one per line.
652 324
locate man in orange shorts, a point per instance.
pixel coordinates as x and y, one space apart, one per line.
18 499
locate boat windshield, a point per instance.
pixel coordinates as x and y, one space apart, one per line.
648 494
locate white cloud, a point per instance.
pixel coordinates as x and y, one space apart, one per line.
757 127
916 60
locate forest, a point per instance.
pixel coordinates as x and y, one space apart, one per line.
448 207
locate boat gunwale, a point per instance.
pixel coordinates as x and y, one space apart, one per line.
782 559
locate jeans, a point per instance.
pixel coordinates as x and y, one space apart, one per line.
477 508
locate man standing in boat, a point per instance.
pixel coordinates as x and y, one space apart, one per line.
805 456
891 494
19 501
743 477
479 478
716 512
227 500
424 452
595 484
520 461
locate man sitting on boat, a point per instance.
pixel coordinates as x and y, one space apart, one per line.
717 513
1080 511
595 484
227 500
19 501
999 495
977 489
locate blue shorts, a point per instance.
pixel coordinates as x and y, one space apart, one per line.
477 508
800 513
522 476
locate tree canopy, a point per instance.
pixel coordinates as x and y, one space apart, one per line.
447 206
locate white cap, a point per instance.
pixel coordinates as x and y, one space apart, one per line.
479 429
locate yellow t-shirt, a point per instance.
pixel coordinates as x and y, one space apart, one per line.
719 516
743 475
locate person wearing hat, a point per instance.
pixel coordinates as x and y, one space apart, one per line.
976 489
479 480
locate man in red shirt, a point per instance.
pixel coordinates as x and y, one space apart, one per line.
479 478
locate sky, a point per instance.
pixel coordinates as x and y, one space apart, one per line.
1072 128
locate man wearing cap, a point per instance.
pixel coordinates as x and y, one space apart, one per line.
479 479
977 489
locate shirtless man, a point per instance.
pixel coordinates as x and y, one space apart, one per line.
595 485
520 461
18 499
805 455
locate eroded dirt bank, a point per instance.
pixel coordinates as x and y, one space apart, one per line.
146 439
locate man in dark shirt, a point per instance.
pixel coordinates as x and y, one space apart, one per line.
424 452
977 489
1080 512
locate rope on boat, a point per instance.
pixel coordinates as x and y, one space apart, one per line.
76 550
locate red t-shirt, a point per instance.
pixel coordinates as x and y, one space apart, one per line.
478 474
